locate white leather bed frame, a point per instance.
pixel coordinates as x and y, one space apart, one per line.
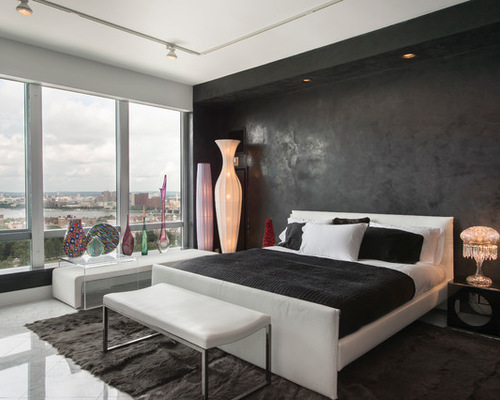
306 348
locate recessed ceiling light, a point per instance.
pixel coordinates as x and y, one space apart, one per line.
408 56
307 80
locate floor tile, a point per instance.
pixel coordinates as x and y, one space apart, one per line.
30 368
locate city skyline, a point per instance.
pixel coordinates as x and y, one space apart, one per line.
91 209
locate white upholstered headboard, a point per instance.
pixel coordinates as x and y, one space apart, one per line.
445 223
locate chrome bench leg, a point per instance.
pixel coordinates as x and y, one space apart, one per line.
204 354
268 354
204 374
105 333
105 316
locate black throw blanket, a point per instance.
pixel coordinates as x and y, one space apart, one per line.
361 292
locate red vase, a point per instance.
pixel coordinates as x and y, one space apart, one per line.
75 241
127 241
269 237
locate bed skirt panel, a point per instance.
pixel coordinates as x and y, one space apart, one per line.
358 343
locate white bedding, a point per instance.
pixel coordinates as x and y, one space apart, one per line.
425 275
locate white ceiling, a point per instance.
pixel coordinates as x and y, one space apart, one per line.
201 25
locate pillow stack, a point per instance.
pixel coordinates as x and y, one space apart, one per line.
339 240
352 239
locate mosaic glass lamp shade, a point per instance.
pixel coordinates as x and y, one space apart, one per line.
204 208
480 243
228 195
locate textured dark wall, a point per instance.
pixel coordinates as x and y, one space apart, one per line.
421 139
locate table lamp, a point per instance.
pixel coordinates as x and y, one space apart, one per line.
480 244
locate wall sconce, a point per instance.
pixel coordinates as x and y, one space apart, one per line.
204 208
480 244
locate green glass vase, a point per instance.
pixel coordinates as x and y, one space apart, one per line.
144 246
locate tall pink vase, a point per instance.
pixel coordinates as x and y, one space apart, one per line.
163 243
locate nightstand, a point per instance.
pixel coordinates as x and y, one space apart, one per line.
474 308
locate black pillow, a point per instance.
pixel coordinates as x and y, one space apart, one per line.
293 236
391 245
347 221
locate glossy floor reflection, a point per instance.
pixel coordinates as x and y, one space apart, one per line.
31 368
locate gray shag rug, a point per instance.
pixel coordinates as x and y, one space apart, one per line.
420 362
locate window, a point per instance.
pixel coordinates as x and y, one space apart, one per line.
12 162
79 156
13 221
79 159
155 151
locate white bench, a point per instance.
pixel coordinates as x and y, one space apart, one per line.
67 281
198 321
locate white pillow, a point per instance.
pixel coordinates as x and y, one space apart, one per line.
340 242
432 247
291 220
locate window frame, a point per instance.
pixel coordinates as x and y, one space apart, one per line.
33 134
7 235
182 223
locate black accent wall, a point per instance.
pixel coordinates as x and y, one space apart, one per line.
418 137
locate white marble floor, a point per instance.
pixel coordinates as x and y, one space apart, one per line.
31 369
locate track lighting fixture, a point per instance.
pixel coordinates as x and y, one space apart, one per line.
23 8
171 53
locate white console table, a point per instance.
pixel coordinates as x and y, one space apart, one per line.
82 284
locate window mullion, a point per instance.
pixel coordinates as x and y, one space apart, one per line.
34 171
187 179
122 164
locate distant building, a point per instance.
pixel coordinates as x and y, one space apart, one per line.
106 196
140 199
155 202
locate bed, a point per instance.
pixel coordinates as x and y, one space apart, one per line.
307 348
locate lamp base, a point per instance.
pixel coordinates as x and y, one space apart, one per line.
479 280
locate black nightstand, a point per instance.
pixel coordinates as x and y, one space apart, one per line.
474 308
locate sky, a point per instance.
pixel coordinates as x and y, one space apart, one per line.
11 136
79 142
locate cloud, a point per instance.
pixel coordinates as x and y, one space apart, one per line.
79 142
155 148
12 165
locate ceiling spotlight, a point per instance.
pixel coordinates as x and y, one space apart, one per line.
171 53
307 80
24 8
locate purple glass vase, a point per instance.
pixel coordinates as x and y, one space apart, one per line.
127 240
163 242
75 241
